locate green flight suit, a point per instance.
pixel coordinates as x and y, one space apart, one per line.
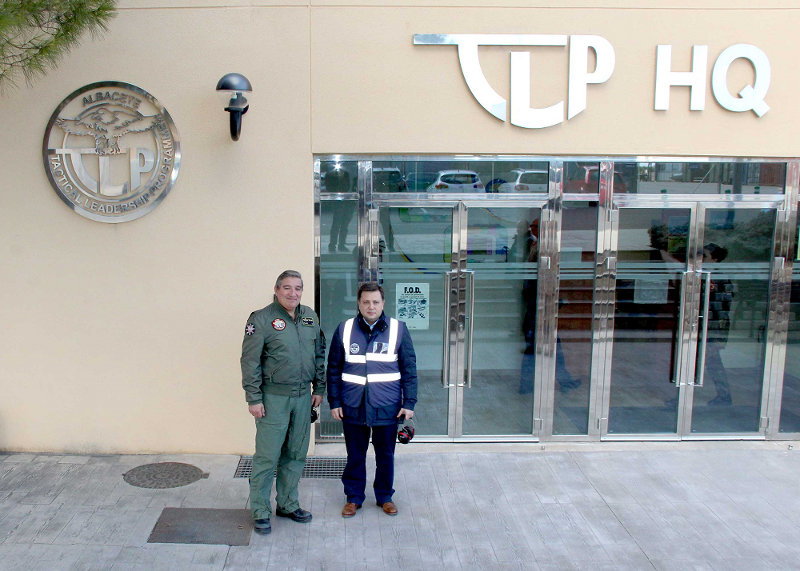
281 358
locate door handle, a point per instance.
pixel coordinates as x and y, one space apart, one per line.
470 327
448 277
700 367
678 362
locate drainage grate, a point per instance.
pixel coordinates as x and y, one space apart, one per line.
316 467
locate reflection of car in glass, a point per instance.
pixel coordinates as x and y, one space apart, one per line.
418 181
387 179
590 182
456 181
525 181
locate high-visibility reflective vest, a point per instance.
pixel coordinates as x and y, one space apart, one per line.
371 359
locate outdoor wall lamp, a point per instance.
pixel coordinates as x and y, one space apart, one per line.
234 85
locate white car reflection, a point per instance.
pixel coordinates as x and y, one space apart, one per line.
456 181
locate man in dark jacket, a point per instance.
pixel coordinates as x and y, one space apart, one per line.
372 382
283 354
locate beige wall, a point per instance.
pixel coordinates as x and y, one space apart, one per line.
413 99
126 338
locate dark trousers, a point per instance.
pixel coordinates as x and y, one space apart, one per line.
354 478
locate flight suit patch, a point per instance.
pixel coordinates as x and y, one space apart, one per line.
278 324
249 329
307 321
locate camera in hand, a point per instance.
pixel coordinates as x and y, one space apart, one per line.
406 433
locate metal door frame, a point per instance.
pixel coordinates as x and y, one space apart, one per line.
689 312
459 303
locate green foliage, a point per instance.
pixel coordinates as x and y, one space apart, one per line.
35 34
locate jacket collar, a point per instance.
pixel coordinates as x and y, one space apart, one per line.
380 325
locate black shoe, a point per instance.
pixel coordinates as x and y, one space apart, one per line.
262 526
299 515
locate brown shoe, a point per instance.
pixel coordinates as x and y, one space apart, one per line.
388 508
349 509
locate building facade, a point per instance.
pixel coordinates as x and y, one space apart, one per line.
586 211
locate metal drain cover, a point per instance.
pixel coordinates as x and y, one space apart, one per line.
316 467
203 525
163 475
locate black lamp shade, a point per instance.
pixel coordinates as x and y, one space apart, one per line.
234 82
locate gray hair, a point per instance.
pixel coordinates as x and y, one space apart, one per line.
288 274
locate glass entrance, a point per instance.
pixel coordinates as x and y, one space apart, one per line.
564 299
691 315
464 279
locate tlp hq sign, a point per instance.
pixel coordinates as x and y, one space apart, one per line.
750 98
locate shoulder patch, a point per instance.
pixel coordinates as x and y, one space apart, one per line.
249 329
307 320
278 324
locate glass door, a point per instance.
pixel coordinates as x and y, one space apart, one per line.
734 266
499 255
652 321
414 260
691 319
466 281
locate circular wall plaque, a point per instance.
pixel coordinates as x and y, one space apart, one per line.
111 151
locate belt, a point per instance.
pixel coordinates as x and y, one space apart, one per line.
293 390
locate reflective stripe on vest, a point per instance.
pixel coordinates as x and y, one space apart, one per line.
389 357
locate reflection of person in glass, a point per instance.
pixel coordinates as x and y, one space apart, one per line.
526 249
338 180
719 322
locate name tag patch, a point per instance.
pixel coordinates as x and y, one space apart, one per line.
307 321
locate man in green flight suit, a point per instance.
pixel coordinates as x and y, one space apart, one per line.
283 354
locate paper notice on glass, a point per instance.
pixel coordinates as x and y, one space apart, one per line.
413 303
650 290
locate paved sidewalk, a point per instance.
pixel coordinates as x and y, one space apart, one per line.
720 505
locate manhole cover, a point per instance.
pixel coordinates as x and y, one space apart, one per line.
163 475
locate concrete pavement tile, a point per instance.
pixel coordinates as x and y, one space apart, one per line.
74 460
57 556
97 557
34 522
210 556
680 565
143 527
69 533
20 458
478 557
48 487
238 557
14 556
14 518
